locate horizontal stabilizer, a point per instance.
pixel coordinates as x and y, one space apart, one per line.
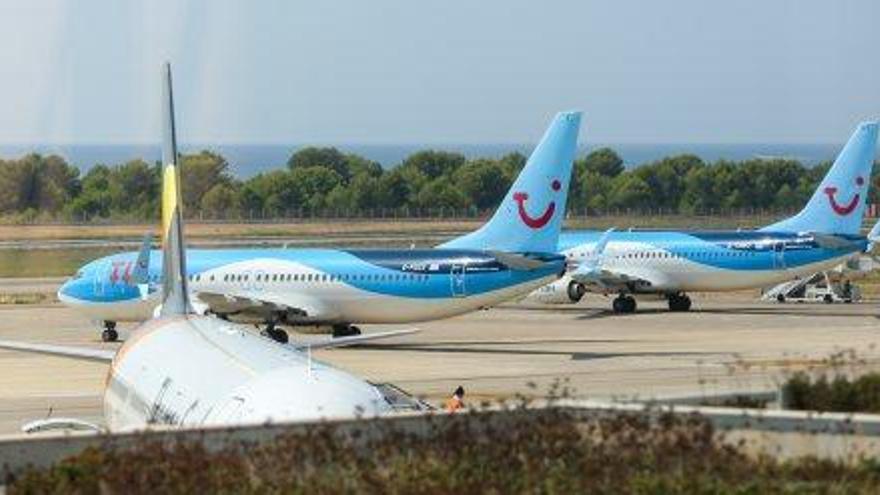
353 340
517 261
832 241
84 353
64 424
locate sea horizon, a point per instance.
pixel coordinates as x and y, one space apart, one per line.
248 160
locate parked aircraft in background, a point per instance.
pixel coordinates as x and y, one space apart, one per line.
669 264
181 368
511 255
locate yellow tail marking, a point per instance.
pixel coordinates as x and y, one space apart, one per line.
170 197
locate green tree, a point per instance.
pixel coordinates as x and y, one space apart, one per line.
198 174
483 182
329 158
432 164
439 193
603 161
394 190
631 191
221 201
314 184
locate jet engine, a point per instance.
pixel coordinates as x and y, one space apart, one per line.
563 291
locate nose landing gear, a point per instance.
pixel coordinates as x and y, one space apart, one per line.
345 330
277 334
624 304
679 302
109 334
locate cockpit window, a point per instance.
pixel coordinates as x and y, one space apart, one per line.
79 274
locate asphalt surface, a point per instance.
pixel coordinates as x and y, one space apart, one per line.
728 343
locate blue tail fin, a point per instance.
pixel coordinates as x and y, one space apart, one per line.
530 216
838 205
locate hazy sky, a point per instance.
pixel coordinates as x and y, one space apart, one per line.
439 72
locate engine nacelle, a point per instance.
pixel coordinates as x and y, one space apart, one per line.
563 291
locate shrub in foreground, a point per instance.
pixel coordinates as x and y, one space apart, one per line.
515 452
839 393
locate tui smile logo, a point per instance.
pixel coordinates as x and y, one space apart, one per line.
536 222
831 192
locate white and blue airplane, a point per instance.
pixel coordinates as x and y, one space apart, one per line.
184 369
333 290
668 264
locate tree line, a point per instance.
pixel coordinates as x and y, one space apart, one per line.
327 182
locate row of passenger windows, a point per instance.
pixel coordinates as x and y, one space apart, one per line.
697 254
312 277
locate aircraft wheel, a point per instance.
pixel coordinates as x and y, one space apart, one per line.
685 303
279 336
345 330
109 335
679 302
828 299
623 304
780 298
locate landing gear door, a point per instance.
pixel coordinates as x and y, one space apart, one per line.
779 255
457 279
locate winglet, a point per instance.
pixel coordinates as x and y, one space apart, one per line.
589 269
141 275
874 234
873 237
175 297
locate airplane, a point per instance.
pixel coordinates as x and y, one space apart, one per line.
185 369
329 290
668 264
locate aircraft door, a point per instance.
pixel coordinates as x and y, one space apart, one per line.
779 255
456 274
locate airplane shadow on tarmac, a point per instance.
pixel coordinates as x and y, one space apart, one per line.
770 311
813 310
445 347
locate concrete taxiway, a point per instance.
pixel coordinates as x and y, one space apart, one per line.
729 343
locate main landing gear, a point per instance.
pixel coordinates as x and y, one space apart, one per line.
624 304
109 334
679 302
345 331
277 334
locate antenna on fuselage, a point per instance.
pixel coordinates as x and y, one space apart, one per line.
175 297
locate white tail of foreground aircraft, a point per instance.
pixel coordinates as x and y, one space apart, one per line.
838 204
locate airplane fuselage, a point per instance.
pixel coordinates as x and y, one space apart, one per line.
190 371
317 286
670 262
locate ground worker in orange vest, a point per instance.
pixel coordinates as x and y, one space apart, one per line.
456 402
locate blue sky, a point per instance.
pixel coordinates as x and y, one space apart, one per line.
455 71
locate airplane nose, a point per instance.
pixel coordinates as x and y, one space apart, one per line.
65 292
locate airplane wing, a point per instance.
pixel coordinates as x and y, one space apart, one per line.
140 276
517 261
606 280
232 303
353 340
84 353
